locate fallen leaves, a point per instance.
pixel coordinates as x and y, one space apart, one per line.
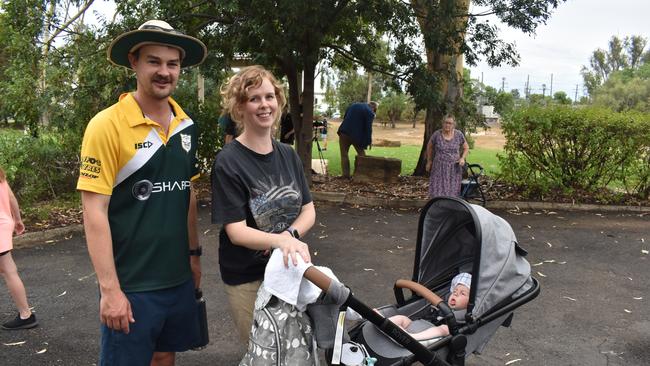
85 277
15 343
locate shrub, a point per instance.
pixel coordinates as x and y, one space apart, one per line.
561 147
40 168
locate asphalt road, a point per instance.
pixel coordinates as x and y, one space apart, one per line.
593 308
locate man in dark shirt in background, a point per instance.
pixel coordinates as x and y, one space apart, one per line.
356 130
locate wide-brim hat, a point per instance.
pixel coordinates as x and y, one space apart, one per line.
156 32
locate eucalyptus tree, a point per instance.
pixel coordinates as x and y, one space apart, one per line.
21 24
36 75
454 30
622 53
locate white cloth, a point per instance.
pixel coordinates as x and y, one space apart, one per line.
288 285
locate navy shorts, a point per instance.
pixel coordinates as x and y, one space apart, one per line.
165 321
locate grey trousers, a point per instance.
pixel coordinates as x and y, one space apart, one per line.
344 144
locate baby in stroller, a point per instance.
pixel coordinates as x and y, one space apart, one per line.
458 299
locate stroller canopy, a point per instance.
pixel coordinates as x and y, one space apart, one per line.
454 236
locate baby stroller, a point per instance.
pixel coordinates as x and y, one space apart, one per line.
453 237
470 187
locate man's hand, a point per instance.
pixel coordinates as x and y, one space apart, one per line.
115 311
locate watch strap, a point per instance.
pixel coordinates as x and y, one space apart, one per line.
197 252
294 232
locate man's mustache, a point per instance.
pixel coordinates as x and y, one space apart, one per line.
162 79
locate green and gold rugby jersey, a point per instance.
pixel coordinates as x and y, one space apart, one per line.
147 174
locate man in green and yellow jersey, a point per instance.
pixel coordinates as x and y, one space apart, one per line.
138 159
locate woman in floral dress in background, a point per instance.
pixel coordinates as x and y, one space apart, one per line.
445 160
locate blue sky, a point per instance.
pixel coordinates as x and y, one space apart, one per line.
566 42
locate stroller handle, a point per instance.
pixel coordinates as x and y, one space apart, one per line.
429 295
318 278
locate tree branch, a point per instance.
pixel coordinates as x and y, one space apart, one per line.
368 65
67 24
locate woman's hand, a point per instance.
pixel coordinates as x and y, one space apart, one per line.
291 247
428 166
461 161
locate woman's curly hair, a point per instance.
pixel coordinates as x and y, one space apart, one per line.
234 93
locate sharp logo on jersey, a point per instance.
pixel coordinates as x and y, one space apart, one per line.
143 145
170 186
143 189
186 142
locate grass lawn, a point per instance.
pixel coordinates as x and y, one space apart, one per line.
409 155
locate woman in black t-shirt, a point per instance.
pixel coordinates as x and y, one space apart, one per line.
259 192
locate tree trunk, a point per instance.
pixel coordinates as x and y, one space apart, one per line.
44 116
200 88
445 66
305 134
369 94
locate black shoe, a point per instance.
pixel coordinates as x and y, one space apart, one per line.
19 323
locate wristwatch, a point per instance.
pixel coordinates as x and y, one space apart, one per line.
292 230
197 252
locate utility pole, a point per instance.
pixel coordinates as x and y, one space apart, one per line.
527 90
481 77
503 83
543 90
575 98
550 93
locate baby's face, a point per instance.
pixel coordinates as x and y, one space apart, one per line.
459 298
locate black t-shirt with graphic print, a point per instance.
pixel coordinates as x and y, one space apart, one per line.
268 191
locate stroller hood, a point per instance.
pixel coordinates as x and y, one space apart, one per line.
503 270
455 236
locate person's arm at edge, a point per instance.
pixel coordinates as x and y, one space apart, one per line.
114 308
193 237
19 227
242 235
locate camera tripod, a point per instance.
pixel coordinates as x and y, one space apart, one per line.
321 159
